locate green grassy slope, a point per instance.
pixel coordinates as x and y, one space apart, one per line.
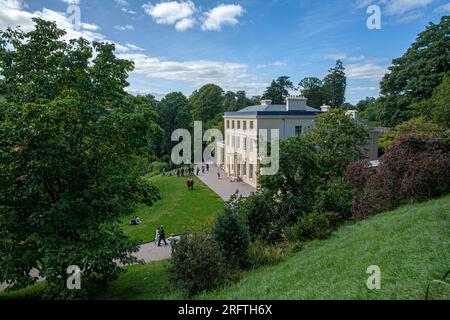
179 210
410 245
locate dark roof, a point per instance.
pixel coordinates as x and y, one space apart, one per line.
272 110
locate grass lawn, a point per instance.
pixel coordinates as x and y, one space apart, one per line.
179 210
410 245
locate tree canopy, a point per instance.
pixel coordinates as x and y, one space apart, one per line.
278 90
68 137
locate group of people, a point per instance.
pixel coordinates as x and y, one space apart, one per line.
160 236
187 171
136 221
190 184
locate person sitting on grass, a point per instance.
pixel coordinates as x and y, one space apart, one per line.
136 221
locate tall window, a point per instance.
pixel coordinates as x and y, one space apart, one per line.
298 131
252 125
245 144
244 124
232 124
228 124
239 125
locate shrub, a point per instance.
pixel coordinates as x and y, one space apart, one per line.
197 265
311 226
233 238
414 169
262 254
336 197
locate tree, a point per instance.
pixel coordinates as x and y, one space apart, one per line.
174 113
340 141
207 103
335 84
312 89
440 104
414 76
278 90
67 134
232 235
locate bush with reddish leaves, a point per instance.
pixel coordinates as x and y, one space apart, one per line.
413 169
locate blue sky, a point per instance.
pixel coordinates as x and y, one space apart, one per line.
241 44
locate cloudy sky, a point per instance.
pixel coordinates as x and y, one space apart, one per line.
241 44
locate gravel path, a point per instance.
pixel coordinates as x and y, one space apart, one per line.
148 252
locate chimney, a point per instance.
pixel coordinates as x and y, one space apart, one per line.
296 103
352 113
325 108
266 102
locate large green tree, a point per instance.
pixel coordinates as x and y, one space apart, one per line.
335 84
414 76
67 139
174 113
278 90
312 89
207 103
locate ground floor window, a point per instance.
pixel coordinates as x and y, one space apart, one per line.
250 171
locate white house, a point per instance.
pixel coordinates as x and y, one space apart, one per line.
238 154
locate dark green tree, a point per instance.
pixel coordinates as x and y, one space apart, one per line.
174 113
67 139
312 89
335 84
278 90
414 76
207 103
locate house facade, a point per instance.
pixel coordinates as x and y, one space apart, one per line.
238 154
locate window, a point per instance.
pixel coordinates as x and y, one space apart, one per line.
298 131
228 124
252 125
245 144
250 171
239 125
232 124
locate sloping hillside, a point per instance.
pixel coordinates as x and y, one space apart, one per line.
410 245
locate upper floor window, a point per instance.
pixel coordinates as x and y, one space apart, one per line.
252 125
232 124
228 124
244 125
298 131
239 125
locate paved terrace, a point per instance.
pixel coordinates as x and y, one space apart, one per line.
224 187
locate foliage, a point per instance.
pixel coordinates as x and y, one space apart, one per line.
336 197
207 103
340 141
233 238
67 135
235 101
414 76
335 84
174 113
311 226
263 254
298 177
278 90
417 126
197 265
413 169
312 89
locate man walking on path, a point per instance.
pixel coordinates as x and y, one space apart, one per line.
207 167
218 174
162 236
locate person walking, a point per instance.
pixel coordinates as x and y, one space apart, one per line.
191 183
162 236
207 167
198 171
218 174
188 184
157 238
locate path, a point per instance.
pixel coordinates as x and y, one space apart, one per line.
148 252
224 187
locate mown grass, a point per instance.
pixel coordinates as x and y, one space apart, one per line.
179 210
410 245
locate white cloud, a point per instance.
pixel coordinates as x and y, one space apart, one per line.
401 11
365 71
280 64
399 7
224 14
184 24
171 12
76 2
126 27
344 57
443 8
